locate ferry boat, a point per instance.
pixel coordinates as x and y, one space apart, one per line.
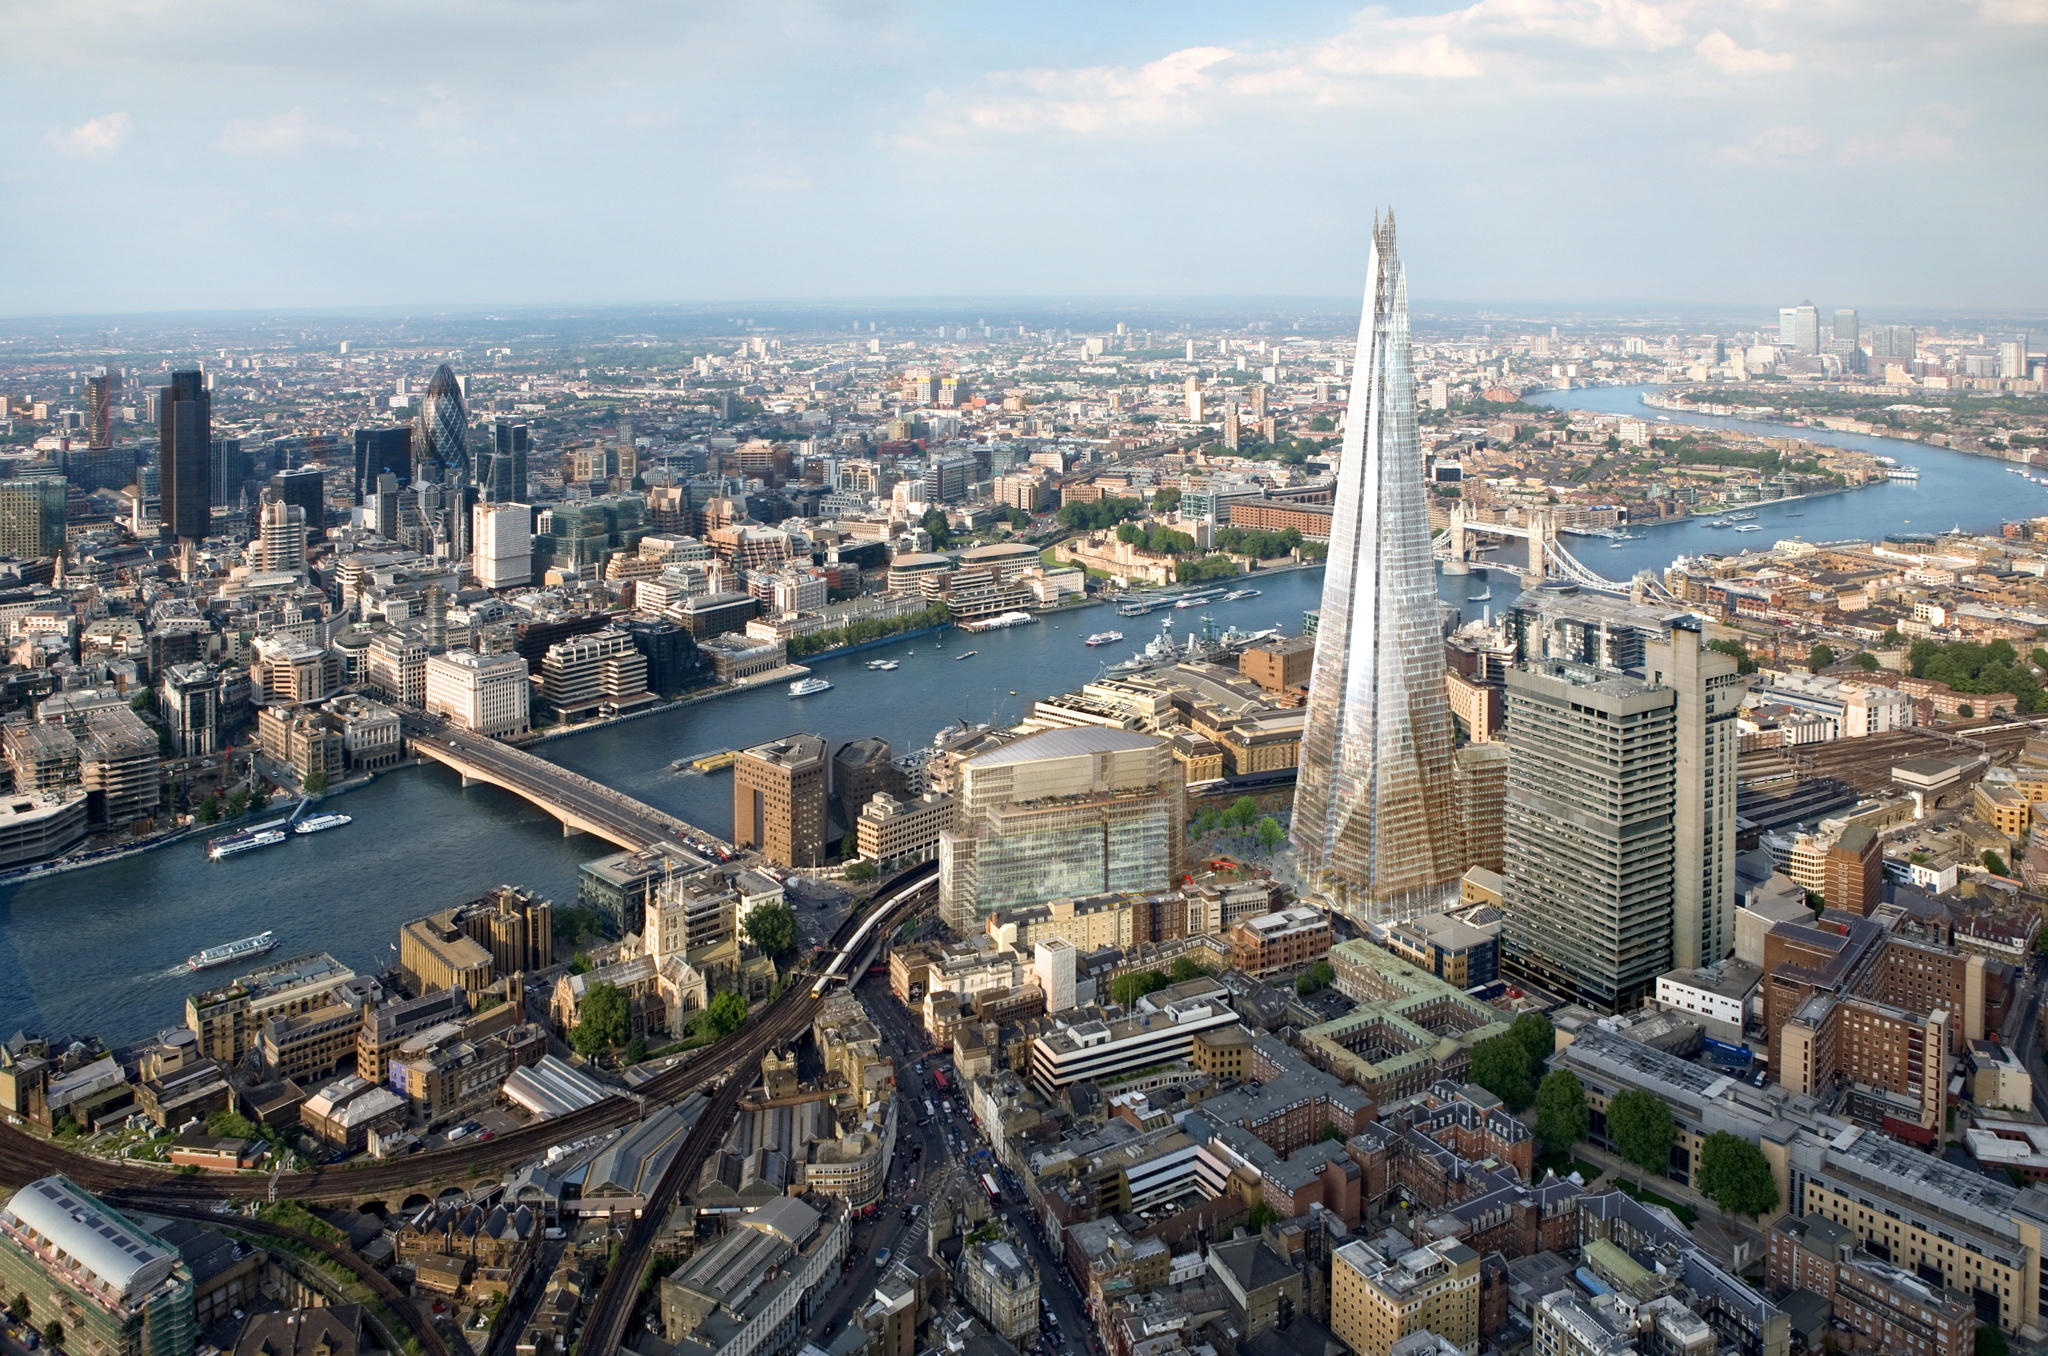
1006 619
1236 594
1749 527
1902 473
809 687
1480 596
884 665
246 841
1104 638
1742 517
716 761
321 823
969 654
246 949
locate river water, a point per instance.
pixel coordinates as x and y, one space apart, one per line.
101 950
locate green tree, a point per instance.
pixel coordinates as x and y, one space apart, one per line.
1328 1132
1322 974
1270 834
772 927
1734 650
1501 1065
1640 1127
1241 813
1322 423
1993 863
636 1050
227 1125
604 1022
1866 661
579 964
1185 968
1533 1031
849 846
1305 984
1991 1341
1261 1215
260 797
53 1333
208 811
861 871
726 1013
1735 1175
1128 989
1562 1117
1820 657
1892 638
934 522
315 784
238 801
1165 499
20 1311
141 702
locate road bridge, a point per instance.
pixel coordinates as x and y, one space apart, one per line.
1547 555
582 805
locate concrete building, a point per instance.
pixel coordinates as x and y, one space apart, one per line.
229 1020
119 1290
1853 873
503 538
1063 814
897 831
1383 1290
474 946
999 1285
1286 940
1097 1048
188 697
483 694
599 673
752 1291
779 800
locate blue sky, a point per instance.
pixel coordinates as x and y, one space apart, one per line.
278 153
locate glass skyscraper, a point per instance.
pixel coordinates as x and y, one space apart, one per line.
1373 807
184 455
440 449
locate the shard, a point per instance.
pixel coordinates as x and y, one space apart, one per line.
1374 818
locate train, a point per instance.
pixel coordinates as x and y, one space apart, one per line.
841 966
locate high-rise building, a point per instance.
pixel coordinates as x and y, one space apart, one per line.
484 694
2012 357
501 471
1900 342
32 517
1373 807
1590 802
382 451
1379 1295
281 543
503 538
1060 815
1847 337
440 449
227 468
184 455
779 799
305 487
100 390
1799 327
118 1289
189 698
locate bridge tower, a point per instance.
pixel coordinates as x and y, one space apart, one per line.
1459 561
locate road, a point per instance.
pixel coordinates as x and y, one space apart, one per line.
938 1160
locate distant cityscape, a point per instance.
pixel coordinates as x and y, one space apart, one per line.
1502 950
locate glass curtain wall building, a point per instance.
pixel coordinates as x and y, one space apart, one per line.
440 448
185 455
1373 810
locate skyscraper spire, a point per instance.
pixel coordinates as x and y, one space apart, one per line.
1373 808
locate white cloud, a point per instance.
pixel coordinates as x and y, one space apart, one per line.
1774 146
1726 55
94 136
289 133
1915 143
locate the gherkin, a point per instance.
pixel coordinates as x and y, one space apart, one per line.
1373 807
442 442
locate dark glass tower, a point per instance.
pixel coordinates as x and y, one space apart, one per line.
229 468
305 487
501 473
99 409
441 443
184 432
382 451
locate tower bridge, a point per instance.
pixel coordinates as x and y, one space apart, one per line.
1454 547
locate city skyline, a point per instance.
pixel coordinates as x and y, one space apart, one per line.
311 161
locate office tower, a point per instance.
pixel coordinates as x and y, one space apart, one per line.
778 800
281 545
1373 806
484 694
1899 342
118 1289
381 507
1589 852
674 663
1232 434
382 451
501 471
440 449
227 468
1799 327
305 487
503 535
188 696
1710 689
32 517
1847 336
2012 357
100 391
1479 777
1060 815
1194 395
184 434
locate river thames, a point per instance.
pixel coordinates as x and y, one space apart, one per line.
101 950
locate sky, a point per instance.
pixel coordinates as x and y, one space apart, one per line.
311 153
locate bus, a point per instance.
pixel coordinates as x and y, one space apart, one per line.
939 1077
995 1193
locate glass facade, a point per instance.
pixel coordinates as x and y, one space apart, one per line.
31 518
185 455
1373 807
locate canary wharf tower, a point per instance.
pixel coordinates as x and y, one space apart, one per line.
1373 814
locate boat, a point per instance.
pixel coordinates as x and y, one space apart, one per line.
1749 527
1720 522
246 949
246 841
715 761
1236 594
1480 596
809 687
1741 517
966 655
322 823
1902 473
1104 638
1795 515
884 665
1005 620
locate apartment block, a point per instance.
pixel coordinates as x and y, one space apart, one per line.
1382 1291
1286 940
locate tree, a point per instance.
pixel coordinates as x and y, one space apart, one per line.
579 964
1322 973
227 1125
1991 1340
20 1311
1241 813
1501 1065
1735 1175
849 846
260 797
934 522
1305 985
141 702
636 1050
772 927
860 872
1866 661
1734 650
1993 863
1329 1131
53 1333
1205 823
604 1022
1165 499
726 1014
1892 637
1185 968
1128 989
1261 1215
238 801
1270 834
1562 1118
1820 657
1641 1129
208 811
1533 1031
315 784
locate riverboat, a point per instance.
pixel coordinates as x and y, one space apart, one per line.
1104 638
322 823
809 687
246 949
246 841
